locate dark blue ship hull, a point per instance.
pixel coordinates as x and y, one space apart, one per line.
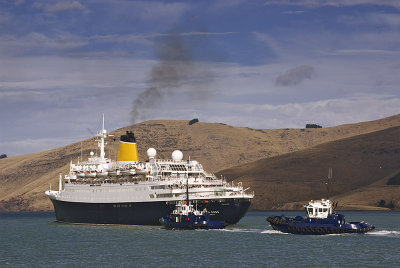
191 222
334 224
143 213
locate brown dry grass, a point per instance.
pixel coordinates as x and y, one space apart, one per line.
23 179
361 167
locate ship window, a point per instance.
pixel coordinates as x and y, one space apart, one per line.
178 167
159 187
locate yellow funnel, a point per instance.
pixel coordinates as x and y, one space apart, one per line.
127 148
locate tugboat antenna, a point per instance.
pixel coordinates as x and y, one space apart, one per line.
329 181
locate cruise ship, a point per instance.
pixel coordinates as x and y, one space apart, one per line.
129 191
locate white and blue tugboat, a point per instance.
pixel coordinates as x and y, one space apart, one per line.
185 217
320 220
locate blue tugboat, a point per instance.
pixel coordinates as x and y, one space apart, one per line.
320 220
184 216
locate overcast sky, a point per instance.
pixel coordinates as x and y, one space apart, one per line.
260 64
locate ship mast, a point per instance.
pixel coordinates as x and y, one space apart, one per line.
102 135
187 190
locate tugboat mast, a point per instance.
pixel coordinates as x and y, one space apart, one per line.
329 182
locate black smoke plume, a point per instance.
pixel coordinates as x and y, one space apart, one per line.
174 69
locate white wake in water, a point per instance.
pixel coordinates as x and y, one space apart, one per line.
239 230
260 231
273 232
385 233
389 233
244 230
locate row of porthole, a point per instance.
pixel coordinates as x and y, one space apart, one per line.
122 205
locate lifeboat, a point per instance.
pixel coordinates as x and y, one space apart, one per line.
90 174
125 172
114 173
101 174
140 171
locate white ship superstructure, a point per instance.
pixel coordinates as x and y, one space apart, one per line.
131 192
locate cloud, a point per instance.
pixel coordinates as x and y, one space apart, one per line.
270 42
5 17
140 39
19 2
201 33
362 43
327 112
369 51
375 36
4 93
144 38
61 92
294 12
222 4
332 112
27 146
103 54
334 3
295 76
38 43
391 20
61 6
149 11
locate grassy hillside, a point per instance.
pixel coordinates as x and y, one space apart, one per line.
23 179
360 164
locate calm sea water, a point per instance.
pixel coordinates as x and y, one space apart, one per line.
36 240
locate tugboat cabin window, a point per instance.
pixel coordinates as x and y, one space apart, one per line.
310 211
